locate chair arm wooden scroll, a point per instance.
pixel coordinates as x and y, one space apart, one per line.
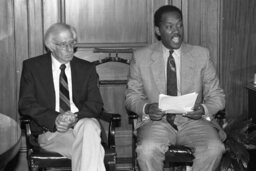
114 121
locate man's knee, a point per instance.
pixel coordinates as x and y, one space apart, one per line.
85 124
215 149
148 149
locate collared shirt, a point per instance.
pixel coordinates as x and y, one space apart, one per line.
56 76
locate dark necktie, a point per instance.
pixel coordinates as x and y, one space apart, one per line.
64 93
171 85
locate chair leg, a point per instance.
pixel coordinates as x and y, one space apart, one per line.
111 167
33 166
34 169
134 155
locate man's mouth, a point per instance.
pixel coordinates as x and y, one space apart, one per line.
176 39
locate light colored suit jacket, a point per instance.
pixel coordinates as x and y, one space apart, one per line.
147 78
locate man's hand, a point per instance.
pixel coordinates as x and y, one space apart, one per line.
196 114
64 121
154 112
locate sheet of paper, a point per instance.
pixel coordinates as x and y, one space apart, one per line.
177 104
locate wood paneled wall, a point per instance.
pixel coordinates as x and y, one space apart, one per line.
226 27
23 24
238 57
203 25
110 22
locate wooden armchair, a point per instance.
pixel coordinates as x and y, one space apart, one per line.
39 158
177 156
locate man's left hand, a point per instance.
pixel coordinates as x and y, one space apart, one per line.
196 114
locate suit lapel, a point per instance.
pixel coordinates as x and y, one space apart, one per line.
75 78
157 68
187 70
48 77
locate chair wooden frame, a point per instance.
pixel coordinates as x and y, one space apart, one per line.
177 155
39 158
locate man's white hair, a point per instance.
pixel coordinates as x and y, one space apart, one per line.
54 30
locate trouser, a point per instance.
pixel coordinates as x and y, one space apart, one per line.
154 137
81 144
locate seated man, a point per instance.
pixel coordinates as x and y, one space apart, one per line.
60 93
174 68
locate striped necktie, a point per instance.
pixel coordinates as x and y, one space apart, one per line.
64 93
171 85
171 76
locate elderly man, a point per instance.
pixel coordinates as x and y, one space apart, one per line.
60 93
174 68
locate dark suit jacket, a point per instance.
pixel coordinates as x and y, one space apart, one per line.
37 96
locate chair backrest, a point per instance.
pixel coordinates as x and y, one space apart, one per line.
113 68
116 71
113 71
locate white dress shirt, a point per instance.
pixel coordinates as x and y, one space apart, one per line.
56 75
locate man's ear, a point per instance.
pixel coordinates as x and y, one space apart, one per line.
50 47
157 31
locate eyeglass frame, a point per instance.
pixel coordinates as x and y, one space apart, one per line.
66 45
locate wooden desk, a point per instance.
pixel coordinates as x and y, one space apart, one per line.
252 101
10 134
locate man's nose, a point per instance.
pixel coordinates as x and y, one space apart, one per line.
175 29
69 47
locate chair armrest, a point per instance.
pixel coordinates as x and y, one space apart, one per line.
221 114
221 117
25 124
114 121
111 117
30 139
25 119
132 115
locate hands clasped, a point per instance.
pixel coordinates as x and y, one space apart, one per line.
156 114
66 120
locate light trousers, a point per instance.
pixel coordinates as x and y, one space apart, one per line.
81 144
154 137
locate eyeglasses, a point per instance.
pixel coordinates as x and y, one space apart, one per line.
66 45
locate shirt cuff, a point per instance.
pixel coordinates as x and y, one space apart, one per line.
143 109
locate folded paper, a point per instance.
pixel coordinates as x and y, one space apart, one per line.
177 104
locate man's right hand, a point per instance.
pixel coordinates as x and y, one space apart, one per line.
64 121
154 112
